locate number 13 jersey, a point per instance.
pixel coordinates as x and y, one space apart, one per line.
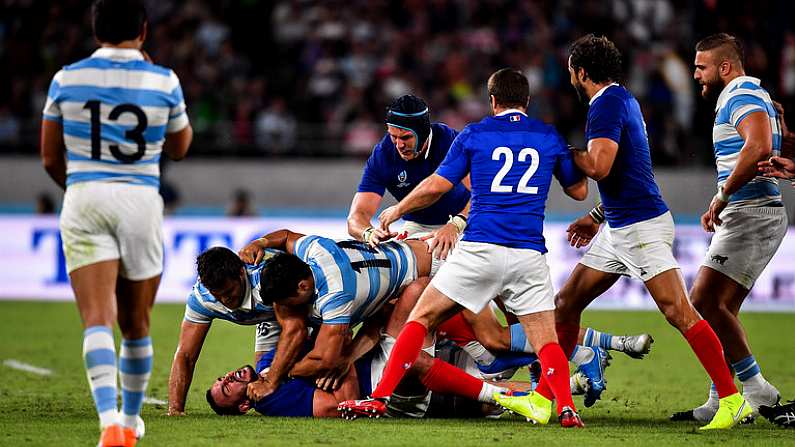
511 160
116 109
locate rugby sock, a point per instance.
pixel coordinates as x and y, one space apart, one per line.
596 339
135 367
404 354
445 378
555 372
707 347
519 341
99 355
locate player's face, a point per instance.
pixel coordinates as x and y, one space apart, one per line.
707 74
404 141
577 84
231 295
230 390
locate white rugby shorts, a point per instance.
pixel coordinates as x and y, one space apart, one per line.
642 250
746 241
476 272
102 221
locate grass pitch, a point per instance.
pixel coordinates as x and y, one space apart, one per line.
57 409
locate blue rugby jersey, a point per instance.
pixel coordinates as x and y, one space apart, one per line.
116 109
385 170
352 280
511 160
742 96
629 192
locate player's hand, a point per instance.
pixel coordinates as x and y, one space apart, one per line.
780 167
253 252
442 241
260 389
582 231
388 216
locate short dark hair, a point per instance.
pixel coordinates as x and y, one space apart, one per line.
279 278
219 410
729 46
509 87
115 21
217 265
598 56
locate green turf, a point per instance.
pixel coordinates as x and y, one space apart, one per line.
57 410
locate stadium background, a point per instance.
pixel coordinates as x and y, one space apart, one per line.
287 99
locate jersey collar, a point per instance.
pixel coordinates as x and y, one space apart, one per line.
124 54
734 83
599 93
505 112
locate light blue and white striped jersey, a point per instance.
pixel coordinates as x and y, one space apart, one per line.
116 109
203 308
352 280
741 96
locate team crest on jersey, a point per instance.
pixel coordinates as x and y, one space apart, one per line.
402 179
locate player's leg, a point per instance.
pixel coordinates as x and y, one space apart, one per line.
135 300
94 287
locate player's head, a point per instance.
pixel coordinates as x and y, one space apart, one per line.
593 60
508 88
223 273
719 58
287 280
227 395
408 123
117 21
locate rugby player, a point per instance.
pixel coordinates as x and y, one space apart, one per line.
746 214
411 150
114 113
638 237
511 160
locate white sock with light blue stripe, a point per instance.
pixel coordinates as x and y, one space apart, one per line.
135 367
596 339
99 355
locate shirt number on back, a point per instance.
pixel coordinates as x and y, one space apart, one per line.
498 153
135 134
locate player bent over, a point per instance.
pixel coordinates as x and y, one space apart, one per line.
638 237
114 112
511 160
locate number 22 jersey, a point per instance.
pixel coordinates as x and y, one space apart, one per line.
115 108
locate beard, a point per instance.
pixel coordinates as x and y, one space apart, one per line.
710 89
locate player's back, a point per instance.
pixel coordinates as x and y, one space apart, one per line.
512 160
116 109
352 279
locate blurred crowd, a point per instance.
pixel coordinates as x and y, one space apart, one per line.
313 78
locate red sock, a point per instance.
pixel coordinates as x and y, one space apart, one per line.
457 330
555 369
568 333
404 354
709 351
445 378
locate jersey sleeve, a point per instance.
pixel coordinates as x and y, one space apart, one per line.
456 163
52 107
606 118
371 177
195 312
741 106
565 171
177 116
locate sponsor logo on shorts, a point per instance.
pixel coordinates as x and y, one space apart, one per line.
718 259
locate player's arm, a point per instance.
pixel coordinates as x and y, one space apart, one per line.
281 240
327 352
288 348
177 143
191 339
597 160
52 151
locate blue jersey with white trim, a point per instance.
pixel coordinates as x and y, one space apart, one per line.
202 307
511 160
742 96
353 280
116 109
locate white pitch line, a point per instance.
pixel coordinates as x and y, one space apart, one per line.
152 401
16 364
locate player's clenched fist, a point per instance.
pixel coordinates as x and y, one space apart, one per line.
253 252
